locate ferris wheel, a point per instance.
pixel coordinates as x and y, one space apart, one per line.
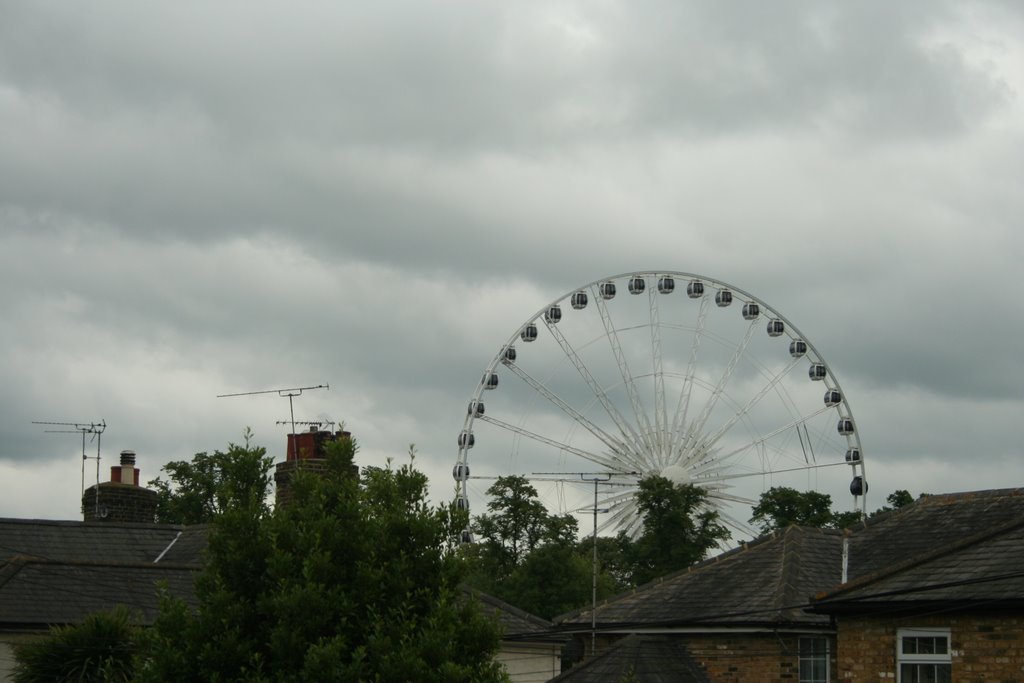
659 373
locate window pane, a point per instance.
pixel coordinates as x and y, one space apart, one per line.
813 647
926 673
813 660
813 671
925 645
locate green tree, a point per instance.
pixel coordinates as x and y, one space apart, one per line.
98 650
846 519
679 528
354 581
529 557
899 498
615 559
555 578
517 522
782 506
197 491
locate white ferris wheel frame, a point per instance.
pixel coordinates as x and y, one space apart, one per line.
661 438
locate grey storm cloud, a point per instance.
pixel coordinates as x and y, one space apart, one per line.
201 198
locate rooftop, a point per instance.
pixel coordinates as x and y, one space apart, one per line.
956 546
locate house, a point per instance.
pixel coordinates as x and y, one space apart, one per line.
910 595
58 572
954 611
55 573
531 651
740 614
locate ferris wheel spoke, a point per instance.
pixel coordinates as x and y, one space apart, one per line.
606 461
608 440
627 378
695 430
760 441
683 405
624 517
784 470
754 400
660 413
721 495
622 509
625 429
742 527
618 501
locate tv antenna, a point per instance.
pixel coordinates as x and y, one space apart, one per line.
94 428
307 423
290 393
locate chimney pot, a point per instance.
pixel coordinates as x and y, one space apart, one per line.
127 458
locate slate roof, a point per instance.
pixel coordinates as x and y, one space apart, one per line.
770 582
74 541
929 524
983 570
186 548
763 583
647 658
57 572
39 593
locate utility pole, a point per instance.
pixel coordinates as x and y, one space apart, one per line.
596 478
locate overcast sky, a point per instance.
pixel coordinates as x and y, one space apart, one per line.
206 198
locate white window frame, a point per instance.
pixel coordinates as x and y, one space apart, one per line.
930 658
801 658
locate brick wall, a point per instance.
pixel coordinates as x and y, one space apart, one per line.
751 658
984 646
120 503
283 476
746 657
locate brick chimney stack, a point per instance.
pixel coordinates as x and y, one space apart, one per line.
306 451
121 499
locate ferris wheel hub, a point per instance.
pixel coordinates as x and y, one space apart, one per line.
677 474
